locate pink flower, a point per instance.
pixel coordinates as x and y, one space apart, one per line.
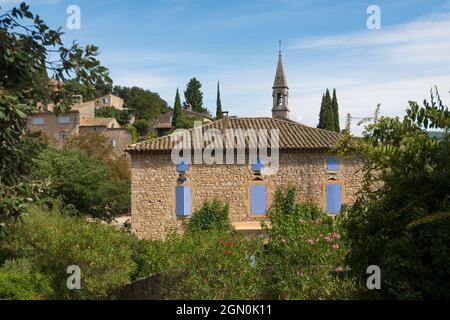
310 241
226 252
336 235
229 243
301 273
328 238
335 246
339 269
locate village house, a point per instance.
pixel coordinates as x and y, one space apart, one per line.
57 128
162 125
165 194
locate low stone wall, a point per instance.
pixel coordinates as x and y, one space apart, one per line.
151 288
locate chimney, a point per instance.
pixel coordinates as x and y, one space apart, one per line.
225 123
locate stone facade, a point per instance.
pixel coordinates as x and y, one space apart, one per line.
154 179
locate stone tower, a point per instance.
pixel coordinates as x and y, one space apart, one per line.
280 92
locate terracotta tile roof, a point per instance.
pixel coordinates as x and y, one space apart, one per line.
98 122
293 135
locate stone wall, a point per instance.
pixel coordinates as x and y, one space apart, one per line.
51 129
154 179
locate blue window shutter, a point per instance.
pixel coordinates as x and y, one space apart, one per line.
258 195
183 200
334 198
333 164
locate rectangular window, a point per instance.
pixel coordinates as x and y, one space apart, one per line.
62 136
113 143
333 164
258 195
183 201
38 121
334 198
63 119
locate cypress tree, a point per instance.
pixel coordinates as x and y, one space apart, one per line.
178 115
194 96
322 114
219 114
335 106
329 116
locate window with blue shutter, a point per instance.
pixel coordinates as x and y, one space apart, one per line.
333 164
258 195
183 201
334 198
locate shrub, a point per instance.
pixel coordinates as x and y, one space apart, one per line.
122 116
306 252
212 215
83 182
142 126
400 222
53 241
206 265
18 281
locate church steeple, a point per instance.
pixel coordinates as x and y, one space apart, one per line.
280 91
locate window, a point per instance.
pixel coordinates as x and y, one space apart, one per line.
62 136
183 201
114 143
258 195
334 198
63 119
38 121
106 100
333 164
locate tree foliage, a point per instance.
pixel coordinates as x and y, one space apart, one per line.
26 44
219 114
329 112
178 114
144 104
194 96
401 219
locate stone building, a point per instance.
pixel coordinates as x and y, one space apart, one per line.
165 192
56 128
162 125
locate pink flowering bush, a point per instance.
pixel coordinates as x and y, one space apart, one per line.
306 252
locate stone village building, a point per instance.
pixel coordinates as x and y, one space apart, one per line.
57 128
164 195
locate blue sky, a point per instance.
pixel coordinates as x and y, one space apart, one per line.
160 45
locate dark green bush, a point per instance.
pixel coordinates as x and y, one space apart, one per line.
18 281
53 241
83 182
212 215
400 222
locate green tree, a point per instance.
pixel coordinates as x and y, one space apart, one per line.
401 219
335 107
83 182
219 114
122 116
178 114
26 45
194 96
322 114
328 113
144 104
142 127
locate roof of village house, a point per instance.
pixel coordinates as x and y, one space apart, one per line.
293 135
97 122
164 121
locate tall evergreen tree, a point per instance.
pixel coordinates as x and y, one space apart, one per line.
329 115
178 115
219 114
194 96
335 106
322 114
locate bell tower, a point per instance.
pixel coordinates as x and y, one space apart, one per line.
280 92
